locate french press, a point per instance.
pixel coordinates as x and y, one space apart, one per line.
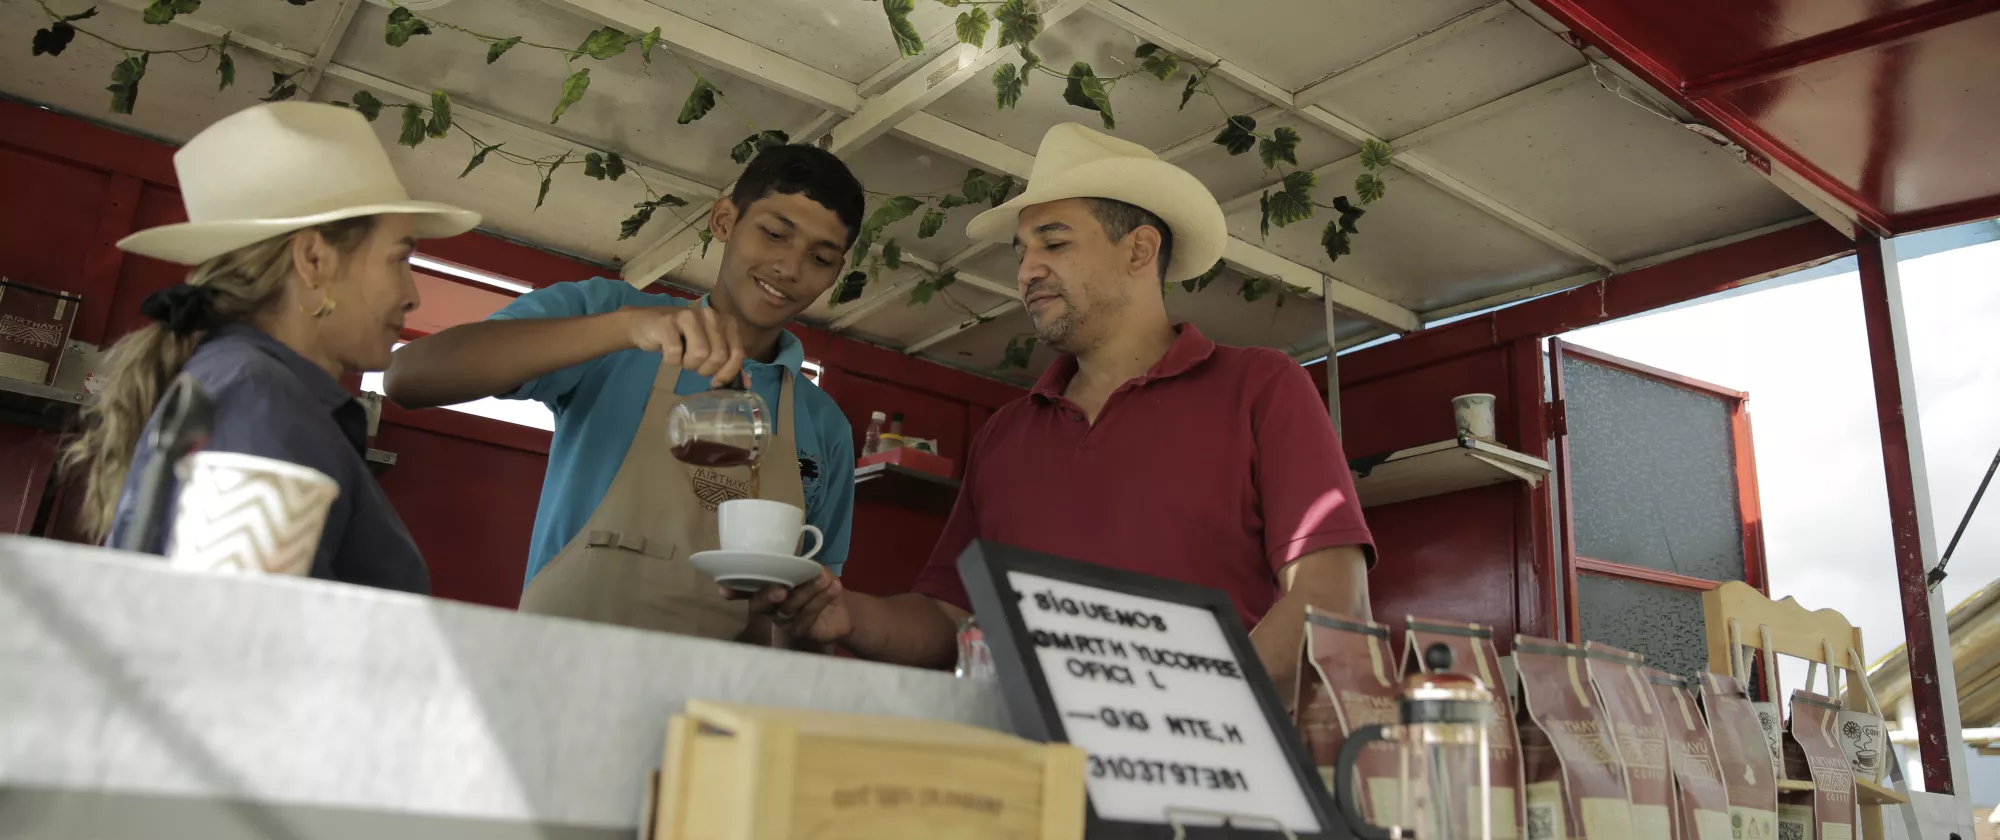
1445 787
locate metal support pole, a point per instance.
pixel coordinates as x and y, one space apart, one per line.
1332 355
1933 686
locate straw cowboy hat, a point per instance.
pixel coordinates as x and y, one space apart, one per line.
1076 162
277 168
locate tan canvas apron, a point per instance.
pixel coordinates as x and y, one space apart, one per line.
629 565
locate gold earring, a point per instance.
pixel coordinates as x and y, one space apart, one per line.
326 307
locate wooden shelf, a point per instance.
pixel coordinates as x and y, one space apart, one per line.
899 485
1439 468
1865 792
40 406
1876 793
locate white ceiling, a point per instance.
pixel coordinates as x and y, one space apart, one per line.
1518 169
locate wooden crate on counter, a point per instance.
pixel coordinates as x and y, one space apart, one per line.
735 772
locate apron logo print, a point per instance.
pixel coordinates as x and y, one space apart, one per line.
714 488
808 468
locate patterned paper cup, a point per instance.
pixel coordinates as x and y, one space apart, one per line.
244 513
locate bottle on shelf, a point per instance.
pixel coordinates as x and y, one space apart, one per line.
896 424
871 440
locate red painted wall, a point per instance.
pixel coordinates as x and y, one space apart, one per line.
466 486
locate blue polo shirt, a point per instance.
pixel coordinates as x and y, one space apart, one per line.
598 405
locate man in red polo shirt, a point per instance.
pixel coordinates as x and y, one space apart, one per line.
1145 446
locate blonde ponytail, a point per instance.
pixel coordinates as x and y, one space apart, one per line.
241 284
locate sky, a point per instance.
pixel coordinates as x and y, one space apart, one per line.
1800 351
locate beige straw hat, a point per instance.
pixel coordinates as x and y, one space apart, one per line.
278 168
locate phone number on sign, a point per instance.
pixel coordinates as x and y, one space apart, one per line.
1149 771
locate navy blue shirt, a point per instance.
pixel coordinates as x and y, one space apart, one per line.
273 402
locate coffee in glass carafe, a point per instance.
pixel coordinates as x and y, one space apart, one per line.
721 428
1444 779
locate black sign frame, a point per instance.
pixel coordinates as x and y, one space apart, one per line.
984 566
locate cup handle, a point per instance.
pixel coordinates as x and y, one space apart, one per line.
819 540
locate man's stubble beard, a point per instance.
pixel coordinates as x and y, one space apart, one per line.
1071 332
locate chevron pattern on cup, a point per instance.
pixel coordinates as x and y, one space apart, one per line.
238 515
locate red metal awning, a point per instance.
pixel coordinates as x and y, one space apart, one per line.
1889 107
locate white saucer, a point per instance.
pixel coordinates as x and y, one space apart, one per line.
749 571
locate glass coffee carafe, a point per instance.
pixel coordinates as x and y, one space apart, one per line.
720 428
1444 776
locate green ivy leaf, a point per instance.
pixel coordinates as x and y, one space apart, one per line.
863 242
1162 64
1018 351
282 87
1369 188
1376 154
1264 215
952 201
699 102
908 42
124 85
1019 24
850 287
1001 189
1294 202
164 11
367 104
928 287
1335 241
478 158
1193 86
573 90
1007 84
225 64
890 212
548 175
604 42
932 223
1283 145
751 146
56 38
1198 283
1029 61
1349 214
972 26
892 255
646 44
496 49
440 124
593 166
1237 134
86 14
707 237
1085 90
977 186
413 127
402 25
614 166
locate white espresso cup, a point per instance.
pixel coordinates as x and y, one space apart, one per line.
1474 415
246 513
765 527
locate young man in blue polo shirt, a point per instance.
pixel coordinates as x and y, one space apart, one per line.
619 514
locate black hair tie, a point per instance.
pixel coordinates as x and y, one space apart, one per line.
181 308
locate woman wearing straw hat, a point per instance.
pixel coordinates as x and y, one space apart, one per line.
299 235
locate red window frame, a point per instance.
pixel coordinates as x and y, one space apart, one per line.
1749 511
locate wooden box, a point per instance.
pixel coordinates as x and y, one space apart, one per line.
736 772
34 327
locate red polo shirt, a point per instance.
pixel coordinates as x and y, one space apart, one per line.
1218 467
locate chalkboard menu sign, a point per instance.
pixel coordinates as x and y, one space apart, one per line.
1157 681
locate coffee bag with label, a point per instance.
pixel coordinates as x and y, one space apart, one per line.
1702 806
1359 686
1569 754
1744 759
1813 735
1634 718
1472 652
